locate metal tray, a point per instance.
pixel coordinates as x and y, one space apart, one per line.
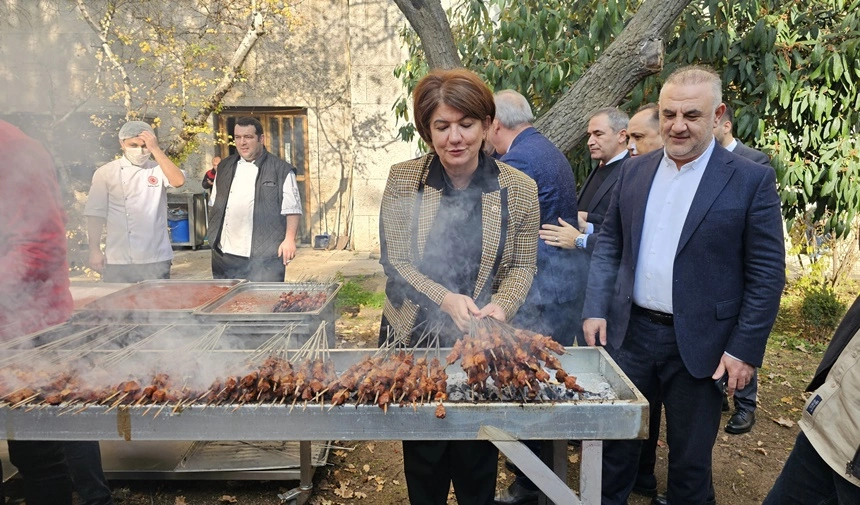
156 300
260 297
624 417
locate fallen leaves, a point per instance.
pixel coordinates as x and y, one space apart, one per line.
785 423
180 500
228 499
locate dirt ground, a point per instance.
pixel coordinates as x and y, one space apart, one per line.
745 466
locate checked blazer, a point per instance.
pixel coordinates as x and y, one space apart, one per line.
510 220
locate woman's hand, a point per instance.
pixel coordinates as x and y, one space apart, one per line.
494 311
564 235
461 308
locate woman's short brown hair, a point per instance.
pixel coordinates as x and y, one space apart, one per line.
458 88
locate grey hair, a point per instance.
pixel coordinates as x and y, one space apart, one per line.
698 74
512 109
617 118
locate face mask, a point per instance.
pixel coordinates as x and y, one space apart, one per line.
137 155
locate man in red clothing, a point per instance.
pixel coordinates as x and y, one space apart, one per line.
34 286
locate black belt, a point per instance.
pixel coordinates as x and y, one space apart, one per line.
654 316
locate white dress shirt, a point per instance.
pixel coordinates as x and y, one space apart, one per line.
669 201
731 147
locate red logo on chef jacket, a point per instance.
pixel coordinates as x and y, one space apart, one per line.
152 180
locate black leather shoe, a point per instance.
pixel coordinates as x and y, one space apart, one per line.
645 485
660 499
516 494
741 421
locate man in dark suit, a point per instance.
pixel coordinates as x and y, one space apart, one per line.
743 418
685 282
607 142
723 133
547 308
550 305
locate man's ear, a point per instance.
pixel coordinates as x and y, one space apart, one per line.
718 113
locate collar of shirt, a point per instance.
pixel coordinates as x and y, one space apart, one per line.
617 157
731 147
669 200
701 161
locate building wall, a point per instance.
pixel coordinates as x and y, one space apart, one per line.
336 60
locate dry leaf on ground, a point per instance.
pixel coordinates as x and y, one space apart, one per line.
786 423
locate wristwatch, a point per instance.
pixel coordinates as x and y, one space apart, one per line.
580 241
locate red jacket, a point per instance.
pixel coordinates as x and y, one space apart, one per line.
34 273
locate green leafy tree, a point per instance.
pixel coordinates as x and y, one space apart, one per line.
790 70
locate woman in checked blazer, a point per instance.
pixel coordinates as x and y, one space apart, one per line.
458 236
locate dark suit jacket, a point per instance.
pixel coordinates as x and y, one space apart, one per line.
600 202
729 267
751 154
537 157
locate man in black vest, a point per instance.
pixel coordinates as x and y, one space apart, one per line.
255 210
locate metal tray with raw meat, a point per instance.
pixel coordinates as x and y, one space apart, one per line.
254 301
156 300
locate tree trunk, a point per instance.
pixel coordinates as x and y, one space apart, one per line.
428 19
635 54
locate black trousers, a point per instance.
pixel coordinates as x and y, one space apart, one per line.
745 399
650 358
44 471
85 465
806 479
230 266
137 273
431 467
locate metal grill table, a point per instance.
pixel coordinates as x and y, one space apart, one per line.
503 423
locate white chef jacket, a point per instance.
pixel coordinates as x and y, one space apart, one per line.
133 200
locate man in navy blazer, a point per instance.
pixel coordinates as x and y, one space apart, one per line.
548 307
554 303
685 282
743 418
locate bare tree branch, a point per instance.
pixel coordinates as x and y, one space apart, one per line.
190 128
634 55
102 32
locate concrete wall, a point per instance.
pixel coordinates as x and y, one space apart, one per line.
336 60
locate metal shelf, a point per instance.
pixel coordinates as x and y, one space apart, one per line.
195 205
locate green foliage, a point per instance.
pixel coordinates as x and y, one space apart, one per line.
353 294
791 71
821 311
537 47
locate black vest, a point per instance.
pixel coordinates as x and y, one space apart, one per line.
270 226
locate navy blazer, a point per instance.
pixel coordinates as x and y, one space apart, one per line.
751 154
729 268
537 157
